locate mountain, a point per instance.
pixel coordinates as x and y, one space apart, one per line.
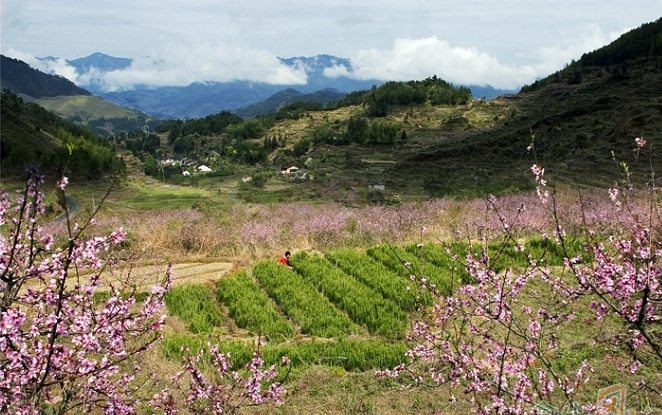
287 97
19 78
95 66
193 101
488 91
69 101
206 98
316 68
100 62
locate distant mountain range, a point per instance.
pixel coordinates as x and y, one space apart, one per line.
205 98
199 99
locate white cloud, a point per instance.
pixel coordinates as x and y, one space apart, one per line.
179 65
415 59
57 66
419 58
552 58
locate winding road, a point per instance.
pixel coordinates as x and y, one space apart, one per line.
72 207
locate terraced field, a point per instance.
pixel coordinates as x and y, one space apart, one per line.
344 308
321 310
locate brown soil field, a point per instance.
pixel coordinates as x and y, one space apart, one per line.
188 273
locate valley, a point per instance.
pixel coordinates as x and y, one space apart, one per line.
448 252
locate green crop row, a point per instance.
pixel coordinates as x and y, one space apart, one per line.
350 354
251 308
441 256
407 264
377 276
502 255
304 305
364 305
195 305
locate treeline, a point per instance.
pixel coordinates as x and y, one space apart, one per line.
645 41
225 137
361 130
379 100
212 124
33 136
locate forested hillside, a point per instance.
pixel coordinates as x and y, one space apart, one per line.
35 137
19 78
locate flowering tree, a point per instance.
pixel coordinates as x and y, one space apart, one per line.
488 341
61 347
68 339
227 392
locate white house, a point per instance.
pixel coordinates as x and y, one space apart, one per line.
204 169
290 170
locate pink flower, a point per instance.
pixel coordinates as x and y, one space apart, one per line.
64 181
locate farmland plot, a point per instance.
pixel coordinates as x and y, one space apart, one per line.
364 305
345 308
194 304
251 308
377 276
302 302
408 264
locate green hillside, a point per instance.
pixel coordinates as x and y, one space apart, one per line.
429 138
35 137
103 117
64 98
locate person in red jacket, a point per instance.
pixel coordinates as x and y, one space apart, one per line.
285 260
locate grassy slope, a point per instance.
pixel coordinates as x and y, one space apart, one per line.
576 127
86 108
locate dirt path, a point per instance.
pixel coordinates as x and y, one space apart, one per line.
200 273
143 277
194 273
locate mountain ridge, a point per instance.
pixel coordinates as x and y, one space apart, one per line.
200 99
19 77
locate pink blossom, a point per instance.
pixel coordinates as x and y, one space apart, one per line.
62 184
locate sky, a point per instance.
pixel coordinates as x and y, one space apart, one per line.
505 44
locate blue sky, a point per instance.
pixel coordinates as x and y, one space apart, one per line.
501 43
